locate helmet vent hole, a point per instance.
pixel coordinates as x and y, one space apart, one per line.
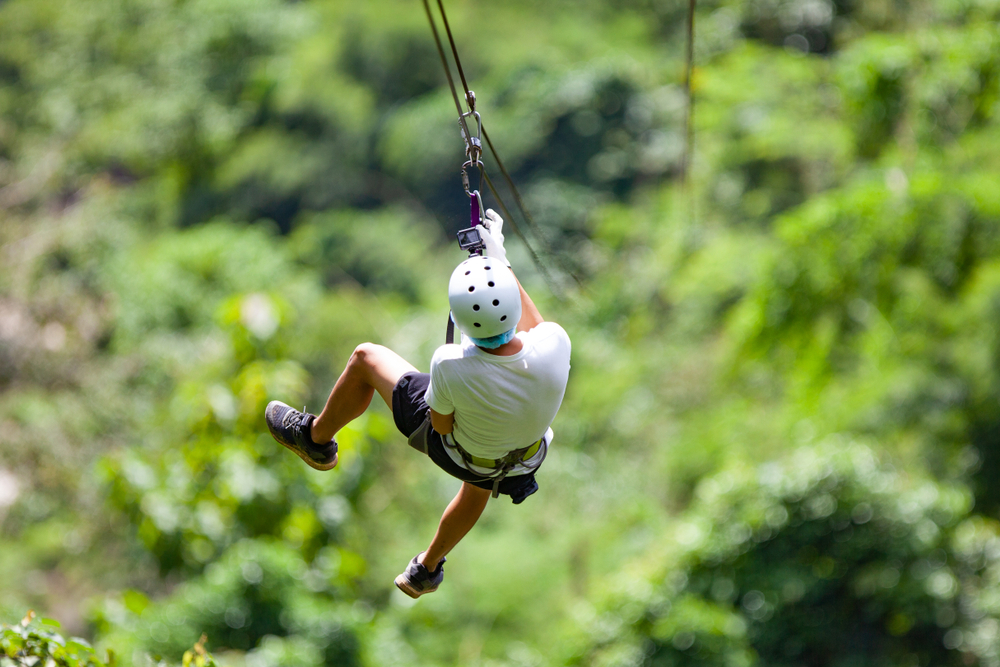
491 284
503 318
476 324
496 302
475 307
487 267
472 288
468 272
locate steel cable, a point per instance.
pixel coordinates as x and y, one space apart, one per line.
447 70
470 100
529 220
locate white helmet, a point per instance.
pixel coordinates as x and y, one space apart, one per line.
484 297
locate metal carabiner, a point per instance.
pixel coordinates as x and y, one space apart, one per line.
465 175
473 150
473 144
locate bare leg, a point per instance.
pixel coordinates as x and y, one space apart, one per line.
458 519
371 368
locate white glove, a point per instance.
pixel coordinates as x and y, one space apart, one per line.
492 232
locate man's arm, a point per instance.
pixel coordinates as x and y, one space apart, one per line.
530 317
443 424
438 394
492 235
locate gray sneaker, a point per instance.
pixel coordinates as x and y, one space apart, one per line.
417 579
291 428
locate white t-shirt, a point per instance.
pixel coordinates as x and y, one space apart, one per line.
501 403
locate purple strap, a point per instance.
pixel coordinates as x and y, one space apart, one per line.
474 212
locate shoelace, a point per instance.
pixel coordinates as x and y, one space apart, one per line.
296 419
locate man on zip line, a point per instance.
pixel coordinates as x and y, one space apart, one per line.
482 414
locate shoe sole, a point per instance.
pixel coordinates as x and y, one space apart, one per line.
293 448
312 464
412 592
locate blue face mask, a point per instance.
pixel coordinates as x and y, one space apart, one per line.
493 342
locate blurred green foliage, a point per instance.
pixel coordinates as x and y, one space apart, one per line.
36 641
782 415
830 557
262 596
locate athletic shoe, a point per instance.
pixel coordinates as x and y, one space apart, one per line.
291 428
417 579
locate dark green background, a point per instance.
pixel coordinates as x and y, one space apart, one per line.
779 445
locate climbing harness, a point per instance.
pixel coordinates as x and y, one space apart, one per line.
500 468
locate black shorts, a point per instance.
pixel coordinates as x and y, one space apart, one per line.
409 410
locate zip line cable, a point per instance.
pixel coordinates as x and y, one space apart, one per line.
447 70
470 97
524 209
454 49
458 106
534 257
471 101
475 151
